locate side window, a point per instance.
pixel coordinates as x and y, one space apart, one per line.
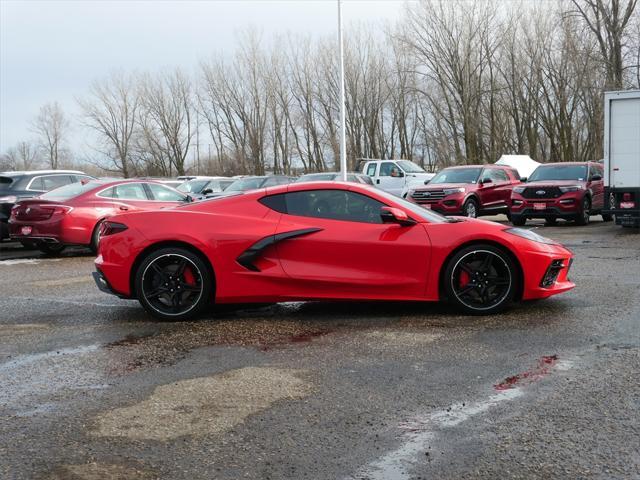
108 193
270 182
334 205
386 168
164 194
500 176
36 184
55 181
515 174
371 169
130 191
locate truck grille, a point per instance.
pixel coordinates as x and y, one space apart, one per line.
423 196
541 192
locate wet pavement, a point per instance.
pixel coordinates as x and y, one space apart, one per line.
91 387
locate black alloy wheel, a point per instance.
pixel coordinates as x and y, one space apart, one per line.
173 284
583 217
481 279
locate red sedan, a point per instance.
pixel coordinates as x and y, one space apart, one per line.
71 215
321 240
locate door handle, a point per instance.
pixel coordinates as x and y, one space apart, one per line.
377 181
124 208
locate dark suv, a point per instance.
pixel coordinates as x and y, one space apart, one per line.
15 186
569 190
472 190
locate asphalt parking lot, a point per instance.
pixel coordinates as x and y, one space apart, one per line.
91 387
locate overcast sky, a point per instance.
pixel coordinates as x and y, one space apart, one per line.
51 50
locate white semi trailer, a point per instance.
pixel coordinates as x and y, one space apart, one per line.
622 156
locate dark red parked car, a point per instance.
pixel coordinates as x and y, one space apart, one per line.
472 190
571 191
71 215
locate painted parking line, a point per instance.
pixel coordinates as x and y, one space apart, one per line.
422 430
29 261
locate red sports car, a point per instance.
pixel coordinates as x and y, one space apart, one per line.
71 215
323 240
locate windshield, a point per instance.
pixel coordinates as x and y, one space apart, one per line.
192 186
69 191
410 167
420 212
317 177
457 175
559 172
244 184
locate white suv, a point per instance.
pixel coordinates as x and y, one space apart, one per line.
395 176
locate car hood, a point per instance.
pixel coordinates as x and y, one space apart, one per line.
553 183
442 186
419 178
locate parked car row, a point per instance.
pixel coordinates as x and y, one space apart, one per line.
569 191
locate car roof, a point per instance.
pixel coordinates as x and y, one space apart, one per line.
17 173
555 164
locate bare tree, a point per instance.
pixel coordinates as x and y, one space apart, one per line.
110 111
51 126
23 156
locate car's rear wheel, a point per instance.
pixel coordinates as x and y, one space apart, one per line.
470 208
518 220
51 248
583 217
481 280
173 284
95 238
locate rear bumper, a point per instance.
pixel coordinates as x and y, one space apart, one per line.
628 217
103 284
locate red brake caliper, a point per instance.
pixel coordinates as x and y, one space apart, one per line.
189 279
464 279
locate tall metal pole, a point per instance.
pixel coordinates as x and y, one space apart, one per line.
343 125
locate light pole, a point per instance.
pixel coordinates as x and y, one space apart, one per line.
343 133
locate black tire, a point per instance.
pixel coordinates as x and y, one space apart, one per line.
470 208
28 244
518 220
162 286
95 238
583 217
481 280
551 221
607 217
51 248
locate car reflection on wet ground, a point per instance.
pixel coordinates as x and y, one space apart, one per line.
92 387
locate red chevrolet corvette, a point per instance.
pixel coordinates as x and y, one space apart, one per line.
71 215
321 240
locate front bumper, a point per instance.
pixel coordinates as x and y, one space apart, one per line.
537 266
449 205
566 206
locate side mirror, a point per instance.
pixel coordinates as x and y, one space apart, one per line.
188 199
395 215
523 179
396 173
427 181
206 191
596 177
485 181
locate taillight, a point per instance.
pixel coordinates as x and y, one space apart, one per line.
111 228
56 209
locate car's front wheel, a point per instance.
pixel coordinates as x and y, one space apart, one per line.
584 216
518 220
173 284
470 208
481 280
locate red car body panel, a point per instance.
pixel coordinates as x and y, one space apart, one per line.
338 260
561 205
491 197
73 223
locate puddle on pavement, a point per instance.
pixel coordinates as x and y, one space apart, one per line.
100 471
203 406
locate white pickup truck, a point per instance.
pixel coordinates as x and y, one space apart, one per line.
395 176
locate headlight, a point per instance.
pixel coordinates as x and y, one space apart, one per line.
8 199
519 189
451 191
571 188
530 235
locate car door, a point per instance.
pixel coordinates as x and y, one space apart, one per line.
488 193
596 185
503 187
129 197
345 250
390 178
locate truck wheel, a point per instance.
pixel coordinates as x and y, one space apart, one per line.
518 220
470 208
583 217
